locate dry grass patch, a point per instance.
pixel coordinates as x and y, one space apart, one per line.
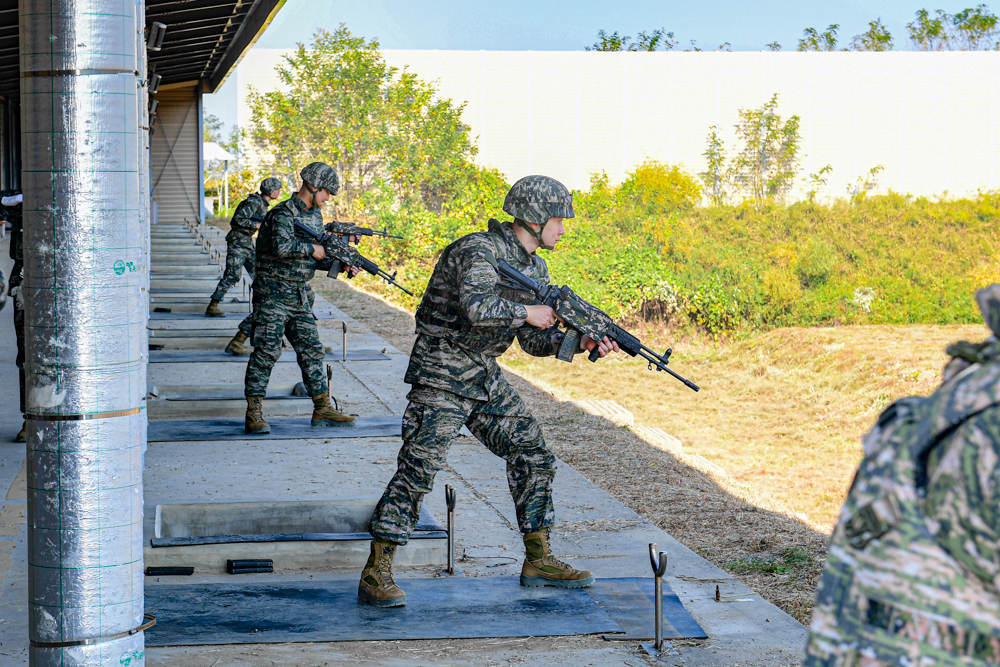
782 412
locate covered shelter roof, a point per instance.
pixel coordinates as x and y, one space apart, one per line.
205 39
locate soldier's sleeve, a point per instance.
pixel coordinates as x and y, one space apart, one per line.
540 342
285 243
477 295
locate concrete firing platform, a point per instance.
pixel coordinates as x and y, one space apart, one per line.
197 430
593 530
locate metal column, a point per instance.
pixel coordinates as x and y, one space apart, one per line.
84 288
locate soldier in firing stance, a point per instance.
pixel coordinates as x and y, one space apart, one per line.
239 246
466 320
283 300
913 566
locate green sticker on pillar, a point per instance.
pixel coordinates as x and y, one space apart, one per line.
120 267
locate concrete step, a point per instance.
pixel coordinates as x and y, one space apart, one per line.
232 408
610 410
188 307
338 526
183 283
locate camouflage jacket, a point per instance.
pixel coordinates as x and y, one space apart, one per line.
13 215
913 568
465 319
249 214
281 256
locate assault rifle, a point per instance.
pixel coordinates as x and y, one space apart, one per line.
581 318
350 229
341 255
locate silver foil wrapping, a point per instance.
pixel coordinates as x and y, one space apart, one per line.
85 290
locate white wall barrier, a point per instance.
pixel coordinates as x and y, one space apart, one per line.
928 118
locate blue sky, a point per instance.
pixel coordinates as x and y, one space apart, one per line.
562 25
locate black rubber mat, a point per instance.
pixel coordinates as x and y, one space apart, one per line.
444 608
218 356
282 428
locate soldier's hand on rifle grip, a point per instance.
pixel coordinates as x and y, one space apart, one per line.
540 317
318 252
604 348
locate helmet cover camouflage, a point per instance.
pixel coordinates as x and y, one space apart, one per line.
269 185
321 175
535 199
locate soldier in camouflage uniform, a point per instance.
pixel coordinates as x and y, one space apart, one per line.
913 568
12 213
284 300
239 243
466 320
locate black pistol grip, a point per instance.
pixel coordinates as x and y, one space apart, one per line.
595 354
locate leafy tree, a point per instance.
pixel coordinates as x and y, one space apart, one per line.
819 41
773 46
612 42
212 128
652 41
383 129
928 34
766 166
876 38
694 46
975 29
714 176
972 29
725 46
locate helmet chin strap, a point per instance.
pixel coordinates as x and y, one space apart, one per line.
313 192
537 234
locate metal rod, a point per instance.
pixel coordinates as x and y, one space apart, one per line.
659 567
344 350
450 498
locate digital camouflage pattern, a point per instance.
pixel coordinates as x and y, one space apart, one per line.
284 310
466 319
281 256
284 300
911 576
13 215
431 421
239 243
321 175
269 185
535 199
464 322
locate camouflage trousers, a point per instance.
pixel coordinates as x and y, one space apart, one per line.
19 333
246 325
431 421
285 310
239 255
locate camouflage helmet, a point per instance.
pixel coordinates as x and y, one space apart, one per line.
269 185
321 175
535 199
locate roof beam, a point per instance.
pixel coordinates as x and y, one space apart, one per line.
252 26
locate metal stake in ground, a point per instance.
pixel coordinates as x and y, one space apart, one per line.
344 348
450 497
659 567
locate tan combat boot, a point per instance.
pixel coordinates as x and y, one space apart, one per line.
325 414
213 309
377 586
22 435
255 416
235 346
541 568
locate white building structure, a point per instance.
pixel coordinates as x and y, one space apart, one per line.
930 119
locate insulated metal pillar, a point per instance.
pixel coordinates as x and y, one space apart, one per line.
85 305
